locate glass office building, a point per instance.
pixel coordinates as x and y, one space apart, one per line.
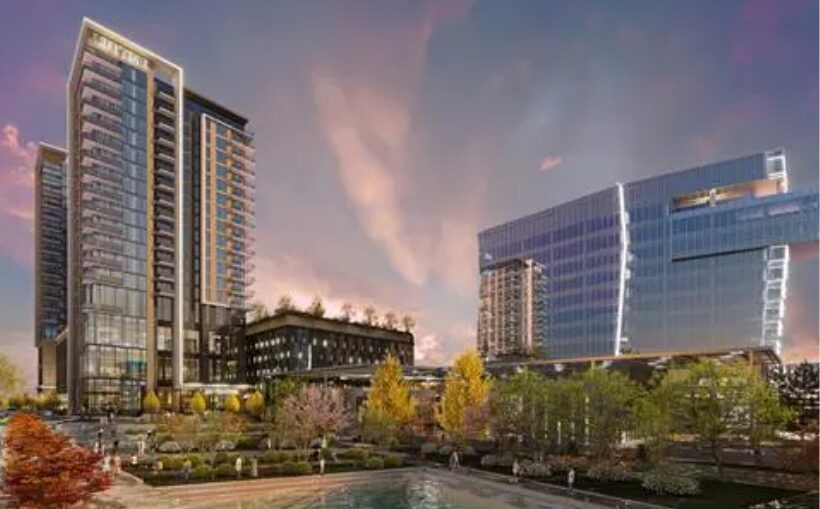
697 259
50 213
137 200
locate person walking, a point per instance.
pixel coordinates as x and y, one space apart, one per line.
454 460
117 465
322 464
254 467
186 470
571 478
141 447
516 470
238 466
116 445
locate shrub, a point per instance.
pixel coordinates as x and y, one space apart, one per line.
489 460
445 450
131 431
428 448
202 472
225 445
670 482
247 442
355 453
196 460
289 468
374 463
393 461
221 457
171 462
607 471
304 468
536 469
224 470
564 463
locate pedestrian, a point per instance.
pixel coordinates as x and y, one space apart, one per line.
106 466
134 460
453 460
141 447
186 470
571 478
116 447
516 469
100 435
96 446
157 467
268 443
322 465
254 467
117 464
238 466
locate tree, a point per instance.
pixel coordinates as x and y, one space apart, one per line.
463 410
390 320
183 428
232 403
218 427
49 401
43 470
276 424
348 312
408 322
609 398
388 407
198 403
151 404
370 315
316 308
9 376
567 413
255 404
764 412
713 393
798 388
314 412
285 304
519 407
258 311
657 413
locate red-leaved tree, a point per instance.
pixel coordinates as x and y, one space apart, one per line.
43 469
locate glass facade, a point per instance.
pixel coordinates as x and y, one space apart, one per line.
50 266
296 341
693 260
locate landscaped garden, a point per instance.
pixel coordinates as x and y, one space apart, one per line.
598 427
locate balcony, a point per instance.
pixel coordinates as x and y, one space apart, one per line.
165 142
107 175
104 105
163 156
104 70
106 140
102 87
103 121
102 156
165 96
166 127
165 112
94 224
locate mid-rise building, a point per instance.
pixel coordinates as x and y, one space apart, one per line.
295 341
160 213
50 213
692 260
511 308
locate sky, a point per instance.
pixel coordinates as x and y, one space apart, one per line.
389 133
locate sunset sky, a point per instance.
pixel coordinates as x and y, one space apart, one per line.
389 133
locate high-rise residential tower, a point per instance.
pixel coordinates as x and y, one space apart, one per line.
50 213
511 308
692 260
159 200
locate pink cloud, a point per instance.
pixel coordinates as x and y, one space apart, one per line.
550 162
730 125
17 160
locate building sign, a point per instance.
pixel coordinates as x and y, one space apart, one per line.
118 51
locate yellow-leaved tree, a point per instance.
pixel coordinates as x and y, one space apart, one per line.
463 411
255 404
389 407
151 404
198 404
232 404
